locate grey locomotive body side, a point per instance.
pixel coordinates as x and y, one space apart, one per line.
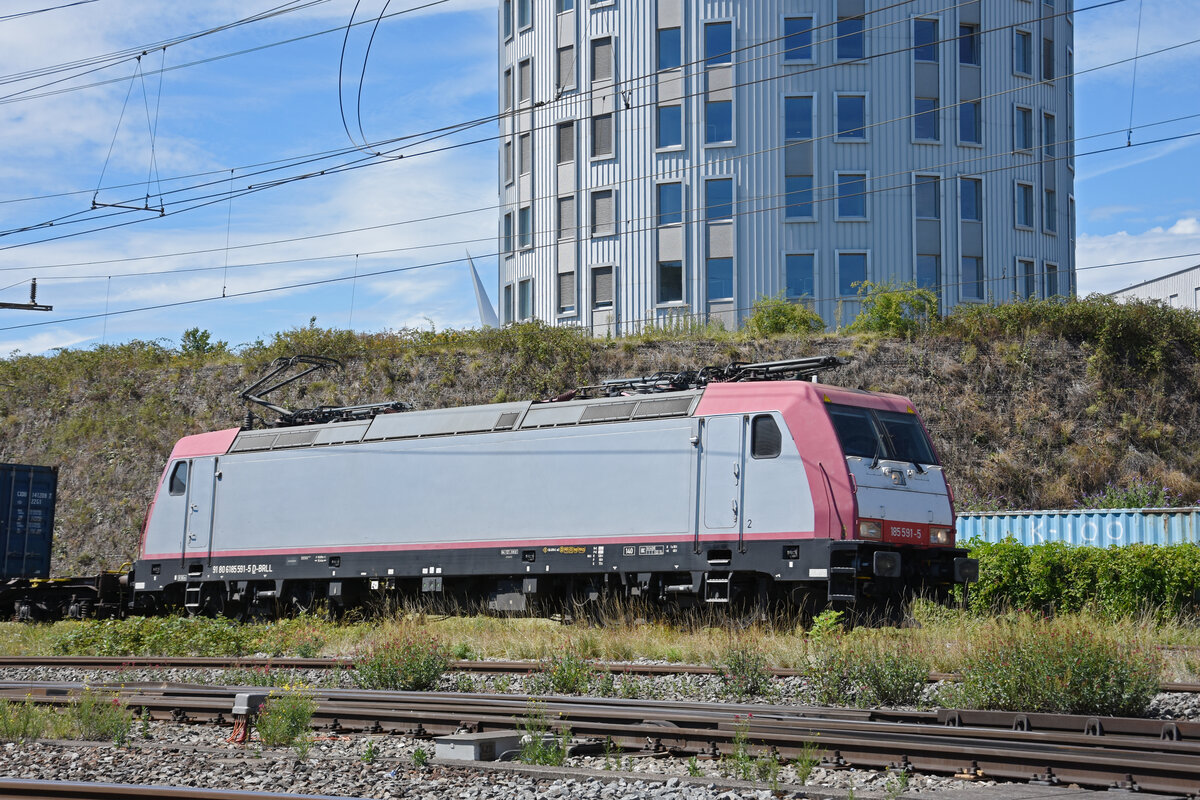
658 505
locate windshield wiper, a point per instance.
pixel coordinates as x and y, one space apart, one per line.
875 461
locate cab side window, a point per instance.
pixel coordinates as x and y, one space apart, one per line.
178 480
765 439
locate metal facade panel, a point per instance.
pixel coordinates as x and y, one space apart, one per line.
1101 528
756 159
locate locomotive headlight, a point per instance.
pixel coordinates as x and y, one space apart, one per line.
941 535
870 530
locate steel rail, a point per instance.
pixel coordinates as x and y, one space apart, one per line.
478 667
1145 755
77 790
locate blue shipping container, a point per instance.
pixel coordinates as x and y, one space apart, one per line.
27 496
1095 527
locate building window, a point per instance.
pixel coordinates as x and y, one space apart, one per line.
925 119
670 126
566 292
1026 279
508 161
720 279
1047 59
799 190
525 141
602 287
718 122
929 272
852 117
525 299
972 277
970 131
850 43
525 227
604 219
798 117
566 67
1053 289
968 45
926 189
524 13
524 81
1023 53
925 40
718 43
670 48
508 304
602 59
1022 128
566 142
670 203
1049 135
506 13
718 199
971 199
1024 205
507 89
602 136
568 222
797 39
1050 205
670 281
565 5
799 276
852 270
852 195
508 232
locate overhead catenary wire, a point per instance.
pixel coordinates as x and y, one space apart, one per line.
31 13
473 123
459 261
578 229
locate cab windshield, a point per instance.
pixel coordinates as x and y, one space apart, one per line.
869 433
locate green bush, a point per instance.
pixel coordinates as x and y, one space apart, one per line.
285 717
1061 666
155 636
1128 339
848 672
892 310
410 664
773 316
743 672
96 716
568 673
23 722
1117 582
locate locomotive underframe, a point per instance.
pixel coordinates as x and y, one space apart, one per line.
516 579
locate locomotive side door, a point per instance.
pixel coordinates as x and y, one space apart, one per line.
722 453
198 530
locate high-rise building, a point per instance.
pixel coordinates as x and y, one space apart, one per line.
662 159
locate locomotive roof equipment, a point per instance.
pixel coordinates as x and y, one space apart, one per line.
797 369
256 393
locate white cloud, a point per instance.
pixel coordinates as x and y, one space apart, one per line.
1178 246
1111 34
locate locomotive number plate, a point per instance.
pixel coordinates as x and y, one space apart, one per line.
906 533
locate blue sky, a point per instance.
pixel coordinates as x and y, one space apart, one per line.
427 69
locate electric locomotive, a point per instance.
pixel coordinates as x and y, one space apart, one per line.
739 486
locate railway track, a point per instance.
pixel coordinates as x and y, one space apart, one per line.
1132 754
477 667
63 790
